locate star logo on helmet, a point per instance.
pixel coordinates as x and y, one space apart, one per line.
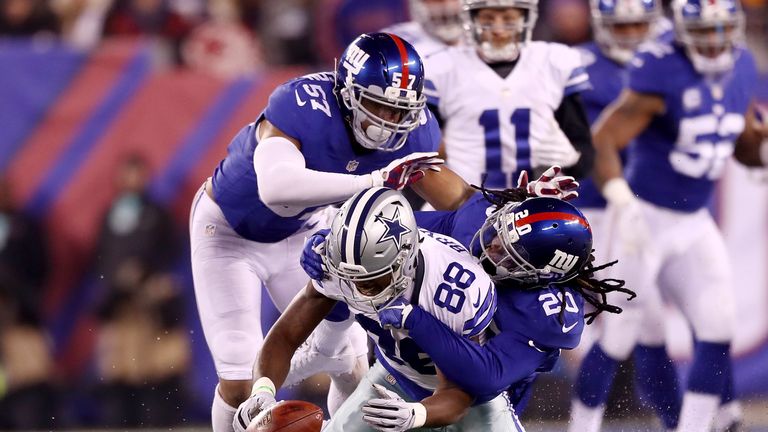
395 229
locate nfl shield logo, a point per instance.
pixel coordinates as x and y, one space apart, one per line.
210 230
352 165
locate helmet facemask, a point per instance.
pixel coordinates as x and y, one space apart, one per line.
513 22
710 37
441 19
620 32
369 128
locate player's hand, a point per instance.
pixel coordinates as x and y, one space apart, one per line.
395 314
391 413
550 184
625 213
249 409
406 170
312 256
554 149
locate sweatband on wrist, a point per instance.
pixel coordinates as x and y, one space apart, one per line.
419 414
263 384
617 192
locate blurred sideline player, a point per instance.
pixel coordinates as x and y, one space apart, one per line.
535 317
375 253
508 104
684 126
619 28
248 222
434 25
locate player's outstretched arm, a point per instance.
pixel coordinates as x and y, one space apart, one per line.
389 412
617 126
752 145
444 190
305 312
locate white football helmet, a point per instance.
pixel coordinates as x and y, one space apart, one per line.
522 28
441 19
373 235
709 30
607 15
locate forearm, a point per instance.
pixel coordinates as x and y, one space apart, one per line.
284 179
573 121
444 190
446 407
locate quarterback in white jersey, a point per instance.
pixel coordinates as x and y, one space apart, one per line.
509 104
374 254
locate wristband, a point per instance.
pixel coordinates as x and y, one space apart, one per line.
764 152
263 384
419 414
617 192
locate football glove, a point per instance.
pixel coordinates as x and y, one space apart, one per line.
262 397
391 413
406 170
311 257
550 184
395 314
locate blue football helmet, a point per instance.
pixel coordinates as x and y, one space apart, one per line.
379 80
522 29
608 14
709 30
536 242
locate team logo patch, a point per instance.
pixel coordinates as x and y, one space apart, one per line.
691 99
390 379
355 59
395 229
562 262
210 230
352 165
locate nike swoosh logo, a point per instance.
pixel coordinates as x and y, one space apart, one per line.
478 300
566 329
310 226
533 345
298 99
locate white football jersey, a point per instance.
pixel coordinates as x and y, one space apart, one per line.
496 125
450 284
414 33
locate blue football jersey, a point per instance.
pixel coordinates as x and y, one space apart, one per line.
675 161
530 325
608 79
305 109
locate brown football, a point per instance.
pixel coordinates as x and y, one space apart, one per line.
289 416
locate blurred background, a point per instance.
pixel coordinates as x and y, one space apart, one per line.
113 112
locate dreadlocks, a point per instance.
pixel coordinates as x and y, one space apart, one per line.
593 290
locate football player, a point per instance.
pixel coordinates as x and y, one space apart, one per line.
687 109
508 104
540 309
375 253
619 28
434 25
322 138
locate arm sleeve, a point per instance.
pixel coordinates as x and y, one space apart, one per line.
284 179
436 221
572 119
494 366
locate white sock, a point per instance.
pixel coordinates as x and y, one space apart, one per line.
222 414
342 385
584 418
698 412
330 338
727 415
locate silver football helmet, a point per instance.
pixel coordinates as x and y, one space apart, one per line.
441 19
477 31
373 236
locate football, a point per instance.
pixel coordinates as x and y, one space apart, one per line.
289 416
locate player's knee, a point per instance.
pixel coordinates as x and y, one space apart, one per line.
715 324
234 392
235 352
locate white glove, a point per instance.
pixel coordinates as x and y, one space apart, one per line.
391 413
550 184
625 214
406 170
554 149
262 397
